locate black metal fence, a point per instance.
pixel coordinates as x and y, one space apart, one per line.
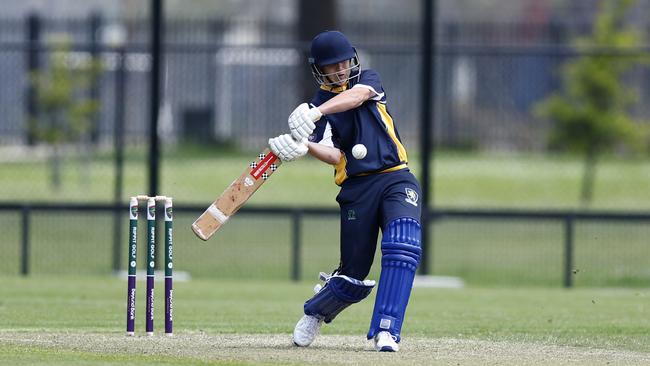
222 86
534 247
489 76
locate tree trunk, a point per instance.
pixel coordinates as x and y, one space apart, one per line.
588 178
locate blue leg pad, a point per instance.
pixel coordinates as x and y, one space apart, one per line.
400 247
338 293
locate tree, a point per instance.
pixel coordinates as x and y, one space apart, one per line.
64 111
591 115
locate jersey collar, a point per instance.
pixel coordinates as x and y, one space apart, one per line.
335 89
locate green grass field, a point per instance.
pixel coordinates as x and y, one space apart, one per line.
481 252
240 307
522 252
69 320
459 180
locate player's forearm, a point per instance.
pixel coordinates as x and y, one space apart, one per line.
327 154
345 101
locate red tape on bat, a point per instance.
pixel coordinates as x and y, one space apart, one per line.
263 165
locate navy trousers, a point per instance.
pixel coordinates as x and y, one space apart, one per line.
368 204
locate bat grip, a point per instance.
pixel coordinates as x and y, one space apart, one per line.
217 214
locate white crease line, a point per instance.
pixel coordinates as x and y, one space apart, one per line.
25 340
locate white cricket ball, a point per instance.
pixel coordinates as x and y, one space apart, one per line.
359 151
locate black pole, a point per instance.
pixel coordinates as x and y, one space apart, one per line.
154 102
313 17
568 251
118 139
33 31
24 247
427 143
296 217
94 22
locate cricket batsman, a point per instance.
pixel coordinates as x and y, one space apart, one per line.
347 125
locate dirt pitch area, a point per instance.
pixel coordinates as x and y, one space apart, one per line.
326 350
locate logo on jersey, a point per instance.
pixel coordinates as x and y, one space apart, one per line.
352 215
411 197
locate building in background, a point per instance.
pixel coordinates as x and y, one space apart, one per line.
233 69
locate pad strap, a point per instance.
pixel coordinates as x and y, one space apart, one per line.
338 293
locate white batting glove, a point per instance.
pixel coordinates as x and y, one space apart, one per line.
286 148
301 121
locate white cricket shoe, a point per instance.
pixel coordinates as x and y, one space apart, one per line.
306 330
385 342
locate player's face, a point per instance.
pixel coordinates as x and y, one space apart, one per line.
339 73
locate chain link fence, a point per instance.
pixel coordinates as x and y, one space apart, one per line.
230 83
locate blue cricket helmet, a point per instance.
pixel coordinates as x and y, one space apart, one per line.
332 47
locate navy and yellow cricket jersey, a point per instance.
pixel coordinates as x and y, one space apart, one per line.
369 124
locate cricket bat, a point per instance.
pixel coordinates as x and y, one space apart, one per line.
234 197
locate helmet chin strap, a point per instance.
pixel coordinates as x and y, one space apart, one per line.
354 71
338 83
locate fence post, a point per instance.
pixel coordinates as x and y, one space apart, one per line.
24 248
156 44
94 25
117 230
118 140
33 32
296 218
568 251
427 142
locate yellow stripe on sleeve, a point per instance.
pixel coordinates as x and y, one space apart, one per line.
390 127
340 174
